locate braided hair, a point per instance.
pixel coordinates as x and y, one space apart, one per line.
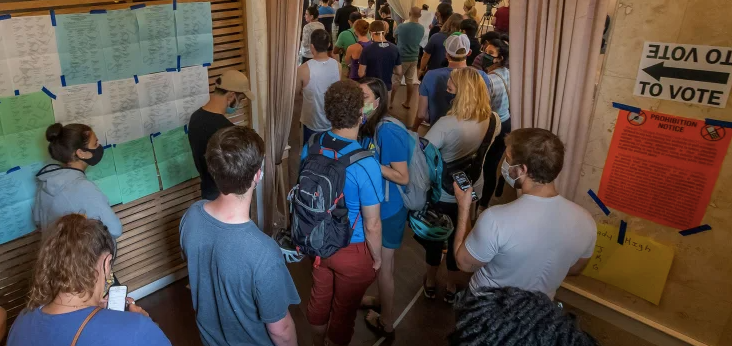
509 316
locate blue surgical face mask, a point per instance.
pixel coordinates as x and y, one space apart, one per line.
232 110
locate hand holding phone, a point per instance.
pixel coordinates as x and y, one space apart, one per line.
463 182
117 298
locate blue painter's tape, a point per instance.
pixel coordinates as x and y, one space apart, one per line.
715 122
97 11
53 17
16 168
99 87
107 146
156 134
17 92
621 233
599 202
178 63
4 16
48 92
170 69
207 64
63 80
134 7
626 107
696 230
185 129
175 5
137 80
114 145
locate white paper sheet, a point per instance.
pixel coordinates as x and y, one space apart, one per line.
6 80
30 44
81 104
121 106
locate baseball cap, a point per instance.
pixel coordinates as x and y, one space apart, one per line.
237 82
455 42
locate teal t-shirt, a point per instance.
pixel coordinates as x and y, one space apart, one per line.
408 36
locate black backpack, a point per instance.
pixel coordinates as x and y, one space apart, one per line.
320 224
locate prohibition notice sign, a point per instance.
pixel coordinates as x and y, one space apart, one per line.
685 73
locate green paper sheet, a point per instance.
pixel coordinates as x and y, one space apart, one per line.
5 159
110 187
80 47
27 147
26 112
132 155
157 38
122 53
177 170
170 144
138 183
104 168
194 33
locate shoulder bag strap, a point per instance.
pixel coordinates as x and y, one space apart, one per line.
505 86
83 324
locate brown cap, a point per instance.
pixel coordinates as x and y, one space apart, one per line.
237 82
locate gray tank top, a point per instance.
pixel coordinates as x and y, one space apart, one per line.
322 75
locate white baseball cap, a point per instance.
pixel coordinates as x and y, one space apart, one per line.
455 42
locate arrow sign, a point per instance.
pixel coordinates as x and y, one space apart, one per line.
659 71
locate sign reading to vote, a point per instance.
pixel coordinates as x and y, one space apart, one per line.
685 73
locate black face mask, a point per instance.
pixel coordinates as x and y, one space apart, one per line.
97 154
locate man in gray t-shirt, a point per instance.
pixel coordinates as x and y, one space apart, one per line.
240 286
534 242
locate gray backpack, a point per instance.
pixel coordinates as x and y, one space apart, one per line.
415 192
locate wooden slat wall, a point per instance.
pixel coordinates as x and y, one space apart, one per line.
149 247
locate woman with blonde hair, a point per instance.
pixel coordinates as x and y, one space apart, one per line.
71 275
463 136
470 11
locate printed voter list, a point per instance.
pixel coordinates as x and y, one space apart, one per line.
685 73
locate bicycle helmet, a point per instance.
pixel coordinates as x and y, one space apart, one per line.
430 225
289 250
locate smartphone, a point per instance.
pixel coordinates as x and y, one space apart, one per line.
463 182
117 298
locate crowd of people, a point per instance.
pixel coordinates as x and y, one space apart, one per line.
350 209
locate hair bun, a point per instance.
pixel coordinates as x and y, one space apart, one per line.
53 132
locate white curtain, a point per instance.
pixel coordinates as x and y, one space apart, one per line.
402 7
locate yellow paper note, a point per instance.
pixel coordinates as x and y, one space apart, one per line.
639 266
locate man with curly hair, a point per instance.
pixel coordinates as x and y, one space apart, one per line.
340 280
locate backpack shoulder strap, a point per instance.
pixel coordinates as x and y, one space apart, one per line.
505 86
314 144
356 155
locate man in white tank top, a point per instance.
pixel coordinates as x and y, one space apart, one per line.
313 79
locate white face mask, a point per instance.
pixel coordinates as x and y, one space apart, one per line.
505 171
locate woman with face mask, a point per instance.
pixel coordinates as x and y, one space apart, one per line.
458 135
63 188
390 136
72 274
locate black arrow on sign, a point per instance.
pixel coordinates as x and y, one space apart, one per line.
659 71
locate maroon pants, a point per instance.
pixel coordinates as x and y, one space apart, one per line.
339 283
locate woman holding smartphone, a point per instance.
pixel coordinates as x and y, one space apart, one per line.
458 135
71 275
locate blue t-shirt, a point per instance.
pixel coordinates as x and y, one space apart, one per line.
380 58
409 36
436 49
107 327
239 281
395 147
363 185
325 10
434 86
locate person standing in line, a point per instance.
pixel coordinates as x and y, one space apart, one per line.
379 4
340 281
434 99
470 12
436 20
458 136
64 188
326 14
370 11
499 78
240 286
484 39
534 242
381 59
408 36
343 16
311 16
72 274
501 19
353 53
313 79
390 24
434 51
393 159
228 96
469 27
345 40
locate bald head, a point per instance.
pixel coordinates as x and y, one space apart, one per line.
415 12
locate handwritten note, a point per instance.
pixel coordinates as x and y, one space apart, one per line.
17 221
133 155
27 147
5 160
639 266
122 50
81 104
110 188
191 91
121 108
81 47
157 38
195 33
18 186
138 183
170 144
25 112
177 169
32 53
6 79
157 102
